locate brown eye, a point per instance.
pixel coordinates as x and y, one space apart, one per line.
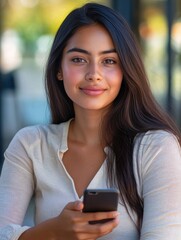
78 60
109 61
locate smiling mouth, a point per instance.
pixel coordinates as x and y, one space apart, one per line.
92 92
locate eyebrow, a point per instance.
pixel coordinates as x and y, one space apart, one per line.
87 52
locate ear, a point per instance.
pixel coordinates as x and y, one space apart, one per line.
59 76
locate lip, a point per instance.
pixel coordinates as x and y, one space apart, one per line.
92 91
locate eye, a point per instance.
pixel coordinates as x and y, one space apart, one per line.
78 60
109 61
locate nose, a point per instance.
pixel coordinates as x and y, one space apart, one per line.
93 73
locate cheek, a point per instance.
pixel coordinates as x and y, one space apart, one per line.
120 79
68 88
116 79
71 74
70 80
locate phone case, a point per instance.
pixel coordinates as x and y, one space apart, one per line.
100 200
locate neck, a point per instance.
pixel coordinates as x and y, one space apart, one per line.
86 129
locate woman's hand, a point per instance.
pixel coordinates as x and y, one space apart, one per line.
73 224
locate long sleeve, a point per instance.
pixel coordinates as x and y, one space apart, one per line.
158 175
16 188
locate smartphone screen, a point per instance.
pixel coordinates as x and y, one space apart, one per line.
100 200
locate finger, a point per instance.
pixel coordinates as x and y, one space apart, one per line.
96 216
93 232
105 228
97 230
75 206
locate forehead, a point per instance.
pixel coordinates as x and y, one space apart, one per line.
94 35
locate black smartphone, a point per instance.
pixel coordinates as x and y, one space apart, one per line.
100 200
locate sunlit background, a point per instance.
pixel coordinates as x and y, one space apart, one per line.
27 30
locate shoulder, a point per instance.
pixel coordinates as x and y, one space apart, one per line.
155 139
39 135
32 133
152 143
36 144
155 152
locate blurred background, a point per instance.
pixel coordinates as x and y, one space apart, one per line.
27 28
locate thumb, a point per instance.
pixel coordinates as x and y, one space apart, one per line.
74 206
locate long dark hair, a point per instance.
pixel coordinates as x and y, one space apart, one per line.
134 110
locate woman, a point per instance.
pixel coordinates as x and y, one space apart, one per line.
107 131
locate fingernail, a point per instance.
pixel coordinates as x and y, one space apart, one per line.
79 204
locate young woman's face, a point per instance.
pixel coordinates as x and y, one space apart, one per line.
91 68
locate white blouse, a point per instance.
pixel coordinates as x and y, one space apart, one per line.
33 166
